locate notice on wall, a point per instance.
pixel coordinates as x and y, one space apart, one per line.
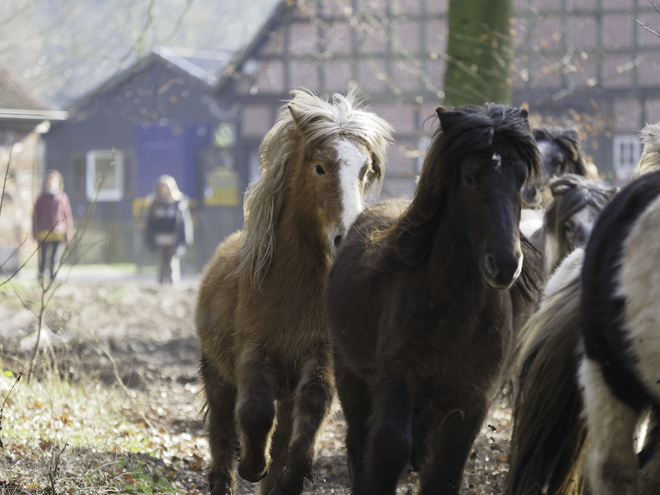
221 187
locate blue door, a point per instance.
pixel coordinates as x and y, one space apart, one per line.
171 149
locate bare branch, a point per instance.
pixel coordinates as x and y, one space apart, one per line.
4 182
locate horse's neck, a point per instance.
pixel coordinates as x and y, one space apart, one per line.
298 249
453 260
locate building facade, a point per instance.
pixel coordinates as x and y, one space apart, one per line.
155 118
23 122
590 64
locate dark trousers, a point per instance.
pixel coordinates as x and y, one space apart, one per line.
168 265
49 254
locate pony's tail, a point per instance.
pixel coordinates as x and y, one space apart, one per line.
549 433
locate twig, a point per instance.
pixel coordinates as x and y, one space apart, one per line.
123 386
4 403
52 475
143 34
4 183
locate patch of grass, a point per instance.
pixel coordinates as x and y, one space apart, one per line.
140 476
60 437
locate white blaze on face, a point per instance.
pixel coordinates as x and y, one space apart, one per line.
351 159
543 147
551 253
498 162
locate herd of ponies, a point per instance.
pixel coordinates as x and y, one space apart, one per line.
413 313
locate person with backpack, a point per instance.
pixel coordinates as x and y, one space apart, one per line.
168 229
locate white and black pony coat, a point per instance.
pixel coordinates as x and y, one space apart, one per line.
620 328
589 363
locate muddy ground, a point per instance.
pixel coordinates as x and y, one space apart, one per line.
142 334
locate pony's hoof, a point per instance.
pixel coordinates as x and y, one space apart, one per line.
278 490
250 475
220 490
220 485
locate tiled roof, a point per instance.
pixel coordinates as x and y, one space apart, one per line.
13 96
207 66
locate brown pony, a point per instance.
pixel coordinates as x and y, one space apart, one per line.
266 360
424 301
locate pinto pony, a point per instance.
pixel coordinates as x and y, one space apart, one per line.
424 301
561 153
265 355
590 357
570 217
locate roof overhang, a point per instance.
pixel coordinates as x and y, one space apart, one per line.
32 115
30 120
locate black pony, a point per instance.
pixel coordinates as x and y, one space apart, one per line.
424 301
561 153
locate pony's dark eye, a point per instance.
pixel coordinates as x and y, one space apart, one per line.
319 169
568 229
468 178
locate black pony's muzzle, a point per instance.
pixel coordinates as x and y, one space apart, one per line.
500 272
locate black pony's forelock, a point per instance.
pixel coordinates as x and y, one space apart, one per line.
472 130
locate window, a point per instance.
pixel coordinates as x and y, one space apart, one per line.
105 172
627 151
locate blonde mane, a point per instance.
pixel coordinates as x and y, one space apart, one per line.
650 160
316 120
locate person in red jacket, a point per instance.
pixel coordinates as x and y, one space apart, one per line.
52 222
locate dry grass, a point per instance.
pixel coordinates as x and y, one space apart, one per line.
87 437
77 429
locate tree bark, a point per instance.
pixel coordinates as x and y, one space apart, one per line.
479 52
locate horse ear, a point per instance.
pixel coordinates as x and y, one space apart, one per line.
570 138
571 134
445 117
540 134
296 114
377 167
562 185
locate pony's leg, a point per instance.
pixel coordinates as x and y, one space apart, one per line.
390 438
355 402
422 422
611 463
450 447
313 401
255 412
278 449
223 440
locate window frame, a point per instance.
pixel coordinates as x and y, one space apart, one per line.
104 194
623 170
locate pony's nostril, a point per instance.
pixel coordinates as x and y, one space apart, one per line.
490 266
336 241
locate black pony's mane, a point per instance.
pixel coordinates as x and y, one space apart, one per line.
464 132
573 192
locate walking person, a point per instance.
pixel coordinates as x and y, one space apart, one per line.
168 229
52 223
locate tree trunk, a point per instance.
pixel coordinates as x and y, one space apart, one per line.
479 52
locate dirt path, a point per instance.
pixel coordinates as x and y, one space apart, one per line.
142 333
